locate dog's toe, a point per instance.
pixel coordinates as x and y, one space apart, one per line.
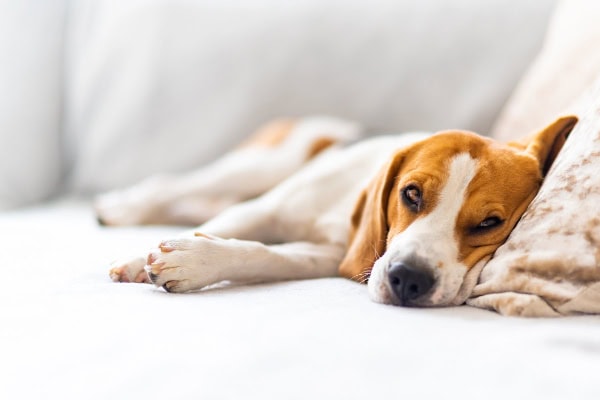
129 270
171 286
182 264
118 274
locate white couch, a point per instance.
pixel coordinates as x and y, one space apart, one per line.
101 93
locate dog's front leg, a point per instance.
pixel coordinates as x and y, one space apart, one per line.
192 263
253 220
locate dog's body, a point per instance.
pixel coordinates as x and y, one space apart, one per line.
415 215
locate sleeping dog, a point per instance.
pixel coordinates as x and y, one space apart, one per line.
414 215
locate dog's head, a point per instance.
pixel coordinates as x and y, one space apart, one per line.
424 227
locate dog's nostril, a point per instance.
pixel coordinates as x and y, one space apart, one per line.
408 283
413 289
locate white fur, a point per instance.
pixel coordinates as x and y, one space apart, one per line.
197 262
431 239
309 213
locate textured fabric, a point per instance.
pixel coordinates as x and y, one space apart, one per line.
550 264
31 49
564 69
163 85
68 332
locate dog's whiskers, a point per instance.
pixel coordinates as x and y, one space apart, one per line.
362 276
358 277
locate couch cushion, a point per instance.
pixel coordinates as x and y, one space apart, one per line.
68 332
564 69
31 44
166 85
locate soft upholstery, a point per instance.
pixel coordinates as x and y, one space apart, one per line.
68 332
566 67
31 101
165 85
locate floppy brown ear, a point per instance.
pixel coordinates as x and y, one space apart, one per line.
369 228
546 144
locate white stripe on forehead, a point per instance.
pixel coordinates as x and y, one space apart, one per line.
462 170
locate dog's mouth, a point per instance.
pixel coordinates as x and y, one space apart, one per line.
434 297
441 293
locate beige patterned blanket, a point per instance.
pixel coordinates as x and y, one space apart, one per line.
550 264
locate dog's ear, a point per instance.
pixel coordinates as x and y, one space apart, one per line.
369 228
545 144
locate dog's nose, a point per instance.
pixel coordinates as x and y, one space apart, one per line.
408 283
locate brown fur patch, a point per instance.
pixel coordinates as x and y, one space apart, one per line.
318 146
270 135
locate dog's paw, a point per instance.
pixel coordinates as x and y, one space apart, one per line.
182 265
129 270
139 204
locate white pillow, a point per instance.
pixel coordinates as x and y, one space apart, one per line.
31 45
166 85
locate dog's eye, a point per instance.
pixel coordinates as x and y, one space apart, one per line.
488 223
411 195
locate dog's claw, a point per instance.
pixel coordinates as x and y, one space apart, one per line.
165 247
153 277
152 260
203 235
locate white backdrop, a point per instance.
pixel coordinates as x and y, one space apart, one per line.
127 88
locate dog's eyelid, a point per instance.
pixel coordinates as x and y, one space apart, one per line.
487 224
491 220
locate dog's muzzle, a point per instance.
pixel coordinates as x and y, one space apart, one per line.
408 283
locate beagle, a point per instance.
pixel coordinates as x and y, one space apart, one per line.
414 215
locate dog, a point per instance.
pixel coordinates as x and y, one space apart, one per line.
416 216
